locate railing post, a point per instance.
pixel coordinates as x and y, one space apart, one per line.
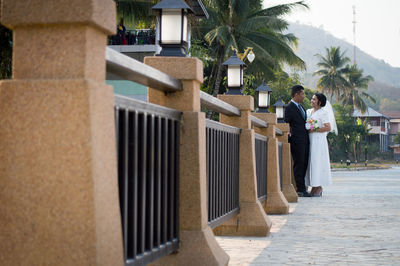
287 186
198 244
252 220
276 202
59 187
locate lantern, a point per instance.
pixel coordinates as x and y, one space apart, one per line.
234 74
173 27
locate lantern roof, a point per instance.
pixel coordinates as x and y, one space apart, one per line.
198 8
264 87
234 60
172 4
279 103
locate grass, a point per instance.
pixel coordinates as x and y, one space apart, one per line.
374 164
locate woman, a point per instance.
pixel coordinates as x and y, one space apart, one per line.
320 121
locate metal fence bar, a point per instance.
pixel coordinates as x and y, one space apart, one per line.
223 172
134 195
147 143
123 67
218 105
280 163
261 145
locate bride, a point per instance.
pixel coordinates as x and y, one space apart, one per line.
320 121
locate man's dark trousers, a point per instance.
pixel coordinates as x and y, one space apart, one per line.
300 152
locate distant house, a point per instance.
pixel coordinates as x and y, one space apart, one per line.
394 129
379 125
394 124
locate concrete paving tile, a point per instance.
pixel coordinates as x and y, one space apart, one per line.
354 223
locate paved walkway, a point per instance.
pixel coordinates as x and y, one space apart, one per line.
356 222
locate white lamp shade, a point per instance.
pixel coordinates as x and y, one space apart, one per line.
279 112
171 26
263 99
235 77
251 57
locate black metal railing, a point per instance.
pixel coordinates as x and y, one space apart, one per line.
147 148
280 161
133 37
222 172
261 147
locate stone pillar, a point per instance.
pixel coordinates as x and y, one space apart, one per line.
276 202
287 187
198 245
252 220
58 172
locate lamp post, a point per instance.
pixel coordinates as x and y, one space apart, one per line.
280 110
234 74
264 97
248 52
173 27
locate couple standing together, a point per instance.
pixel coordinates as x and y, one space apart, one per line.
308 143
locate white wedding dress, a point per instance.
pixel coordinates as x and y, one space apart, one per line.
319 169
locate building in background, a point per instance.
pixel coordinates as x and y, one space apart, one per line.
379 125
393 131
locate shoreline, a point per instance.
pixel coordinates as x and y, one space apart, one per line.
361 168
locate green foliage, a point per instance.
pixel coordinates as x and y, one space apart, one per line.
355 93
343 82
351 140
5 52
241 24
396 138
137 14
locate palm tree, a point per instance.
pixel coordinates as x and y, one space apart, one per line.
355 95
332 71
242 23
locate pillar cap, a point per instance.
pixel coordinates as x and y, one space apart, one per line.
183 68
243 102
283 126
98 13
270 118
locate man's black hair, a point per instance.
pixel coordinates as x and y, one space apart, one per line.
296 89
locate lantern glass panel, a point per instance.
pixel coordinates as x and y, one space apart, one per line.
279 112
185 28
171 26
234 76
263 99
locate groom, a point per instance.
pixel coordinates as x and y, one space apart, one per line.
296 116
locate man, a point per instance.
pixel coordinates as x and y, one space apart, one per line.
296 116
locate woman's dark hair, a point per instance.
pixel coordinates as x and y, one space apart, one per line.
296 89
321 99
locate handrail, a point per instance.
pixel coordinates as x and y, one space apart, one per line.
120 66
278 132
218 105
255 121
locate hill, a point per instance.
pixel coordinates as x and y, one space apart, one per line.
312 41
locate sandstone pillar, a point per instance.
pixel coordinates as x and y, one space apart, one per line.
276 202
287 187
252 220
59 193
197 242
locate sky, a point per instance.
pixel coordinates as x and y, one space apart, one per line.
377 23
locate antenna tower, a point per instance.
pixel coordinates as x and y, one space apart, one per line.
354 34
